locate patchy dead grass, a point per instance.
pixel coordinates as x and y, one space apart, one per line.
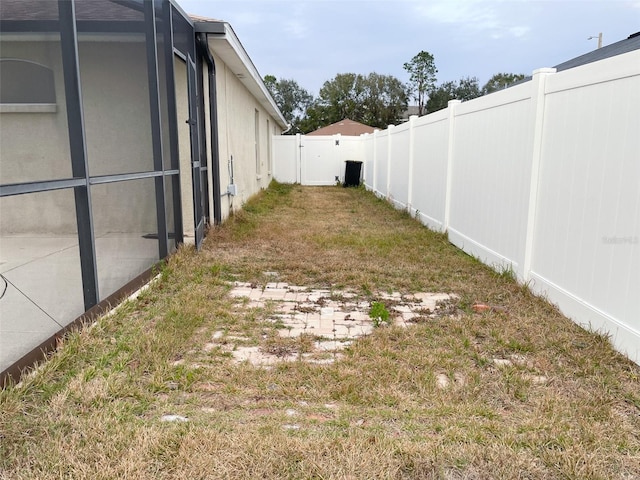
512 392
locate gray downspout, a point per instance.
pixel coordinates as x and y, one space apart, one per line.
201 39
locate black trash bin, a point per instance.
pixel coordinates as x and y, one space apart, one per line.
352 173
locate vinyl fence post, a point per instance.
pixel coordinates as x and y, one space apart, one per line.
298 158
389 135
412 125
451 139
537 110
374 182
340 167
363 138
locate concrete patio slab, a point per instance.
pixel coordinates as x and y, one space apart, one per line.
44 283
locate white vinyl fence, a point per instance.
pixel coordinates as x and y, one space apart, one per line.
542 178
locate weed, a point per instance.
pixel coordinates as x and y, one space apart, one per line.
507 272
379 314
366 288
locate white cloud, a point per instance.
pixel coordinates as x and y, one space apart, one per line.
297 24
455 11
296 28
473 15
519 31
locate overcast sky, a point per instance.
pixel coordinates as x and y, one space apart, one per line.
311 41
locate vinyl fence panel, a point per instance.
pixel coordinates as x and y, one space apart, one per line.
399 160
368 156
429 178
380 169
490 181
586 252
285 158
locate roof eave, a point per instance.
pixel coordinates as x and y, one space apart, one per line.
223 41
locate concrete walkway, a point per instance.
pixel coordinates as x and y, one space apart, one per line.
332 318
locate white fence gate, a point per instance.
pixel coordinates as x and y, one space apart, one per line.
314 160
542 178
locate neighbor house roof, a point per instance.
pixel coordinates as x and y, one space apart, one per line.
632 42
223 41
618 48
344 127
411 110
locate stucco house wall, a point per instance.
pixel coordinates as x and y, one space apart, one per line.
244 131
237 112
35 146
45 156
118 132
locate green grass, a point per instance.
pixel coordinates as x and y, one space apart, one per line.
565 406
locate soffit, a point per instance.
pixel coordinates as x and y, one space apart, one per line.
223 41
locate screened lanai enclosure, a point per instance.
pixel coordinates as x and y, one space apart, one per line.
91 95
